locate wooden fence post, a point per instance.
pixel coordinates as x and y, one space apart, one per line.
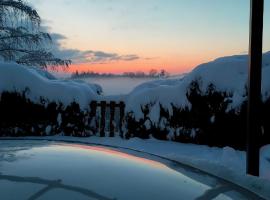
102 122
121 120
112 112
103 118
93 107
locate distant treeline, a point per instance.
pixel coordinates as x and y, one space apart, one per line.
151 74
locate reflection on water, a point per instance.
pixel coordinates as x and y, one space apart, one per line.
117 154
72 171
9 150
51 185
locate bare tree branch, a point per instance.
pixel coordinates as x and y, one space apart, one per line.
21 42
21 6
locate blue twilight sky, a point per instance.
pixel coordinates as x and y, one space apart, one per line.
125 35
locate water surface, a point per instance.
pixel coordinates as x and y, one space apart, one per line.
52 170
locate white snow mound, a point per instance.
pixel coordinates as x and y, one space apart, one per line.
228 74
15 77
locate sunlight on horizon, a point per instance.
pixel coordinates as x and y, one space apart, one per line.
125 35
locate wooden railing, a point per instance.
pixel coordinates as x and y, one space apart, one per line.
112 105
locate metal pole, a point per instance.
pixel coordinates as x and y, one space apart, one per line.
254 95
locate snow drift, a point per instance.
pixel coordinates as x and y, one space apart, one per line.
227 74
40 84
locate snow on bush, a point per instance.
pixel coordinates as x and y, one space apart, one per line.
39 84
33 102
208 106
228 74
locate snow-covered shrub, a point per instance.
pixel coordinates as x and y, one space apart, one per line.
208 121
33 102
19 116
75 121
265 117
207 106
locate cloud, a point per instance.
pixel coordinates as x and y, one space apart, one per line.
89 56
100 56
78 56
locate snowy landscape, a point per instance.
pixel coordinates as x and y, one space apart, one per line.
224 162
140 135
118 85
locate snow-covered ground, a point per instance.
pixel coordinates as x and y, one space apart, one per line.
225 162
124 85
117 85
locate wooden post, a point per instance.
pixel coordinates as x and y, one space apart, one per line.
103 118
112 112
93 107
254 95
122 115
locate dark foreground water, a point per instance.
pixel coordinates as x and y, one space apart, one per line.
49 170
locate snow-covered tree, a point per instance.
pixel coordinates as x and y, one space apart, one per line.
21 37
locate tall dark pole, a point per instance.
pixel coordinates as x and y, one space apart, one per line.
254 96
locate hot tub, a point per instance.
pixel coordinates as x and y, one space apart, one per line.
55 170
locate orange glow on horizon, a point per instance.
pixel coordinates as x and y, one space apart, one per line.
174 64
173 67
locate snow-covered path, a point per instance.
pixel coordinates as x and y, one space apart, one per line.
226 163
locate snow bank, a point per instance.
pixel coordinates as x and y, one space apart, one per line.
228 74
38 83
42 72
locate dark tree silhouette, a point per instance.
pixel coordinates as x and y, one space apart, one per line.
21 38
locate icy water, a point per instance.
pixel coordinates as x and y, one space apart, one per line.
49 170
117 85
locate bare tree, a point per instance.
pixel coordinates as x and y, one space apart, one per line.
153 72
163 73
21 38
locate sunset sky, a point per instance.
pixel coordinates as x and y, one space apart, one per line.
138 35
